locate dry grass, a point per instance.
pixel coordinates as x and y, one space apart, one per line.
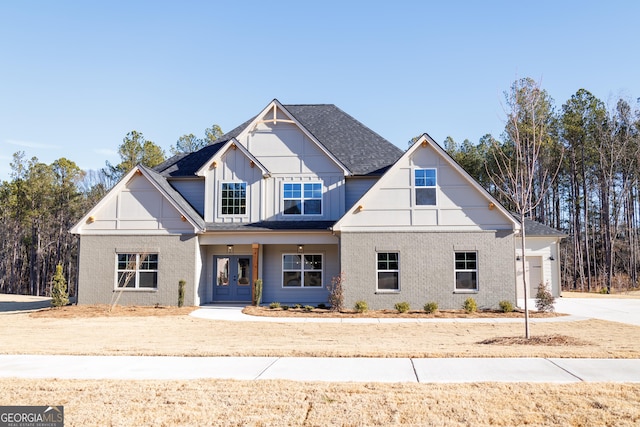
285 403
84 330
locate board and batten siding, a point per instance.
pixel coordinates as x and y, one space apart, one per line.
192 190
391 203
138 207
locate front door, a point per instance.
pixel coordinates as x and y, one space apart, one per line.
233 278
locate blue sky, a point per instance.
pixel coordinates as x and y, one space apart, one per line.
75 77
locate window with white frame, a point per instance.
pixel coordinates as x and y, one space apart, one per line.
302 270
137 270
466 271
233 198
425 187
388 271
302 198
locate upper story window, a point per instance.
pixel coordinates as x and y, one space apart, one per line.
233 198
137 270
425 187
302 198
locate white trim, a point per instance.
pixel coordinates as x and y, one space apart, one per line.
416 187
466 270
232 144
302 199
246 200
377 270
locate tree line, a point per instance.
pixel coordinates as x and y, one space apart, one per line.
41 202
584 179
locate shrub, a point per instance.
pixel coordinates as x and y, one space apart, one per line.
336 293
258 292
181 285
470 305
298 306
544 299
322 306
274 305
431 307
284 307
402 307
59 294
506 306
308 308
361 306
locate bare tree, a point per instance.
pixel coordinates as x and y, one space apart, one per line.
520 175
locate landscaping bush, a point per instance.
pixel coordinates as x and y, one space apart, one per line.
544 299
257 292
361 306
298 306
506 306
308 308
470 305
431 307
274 305
59 294
402 307
322 306
181 285
284 307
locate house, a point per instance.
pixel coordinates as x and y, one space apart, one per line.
298 196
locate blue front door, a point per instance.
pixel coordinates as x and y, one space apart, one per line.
233 278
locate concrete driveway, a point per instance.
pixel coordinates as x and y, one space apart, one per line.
10 303
612 309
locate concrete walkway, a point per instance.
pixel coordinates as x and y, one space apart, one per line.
389 370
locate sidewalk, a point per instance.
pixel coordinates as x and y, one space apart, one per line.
388 370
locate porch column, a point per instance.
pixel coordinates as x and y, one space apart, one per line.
255 250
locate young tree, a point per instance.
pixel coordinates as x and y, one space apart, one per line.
519 175
59 293
134 150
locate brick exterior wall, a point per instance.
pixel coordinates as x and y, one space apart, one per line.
427 267
176 261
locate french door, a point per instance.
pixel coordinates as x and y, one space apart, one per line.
232 282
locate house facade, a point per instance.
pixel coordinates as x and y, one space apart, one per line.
298 196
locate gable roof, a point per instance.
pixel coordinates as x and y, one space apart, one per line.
160 184
358 148
426 141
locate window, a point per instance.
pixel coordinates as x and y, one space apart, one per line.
466 269
302 271
425 186
233 199
388 271
137 271
302 198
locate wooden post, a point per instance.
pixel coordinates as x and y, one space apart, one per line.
255 250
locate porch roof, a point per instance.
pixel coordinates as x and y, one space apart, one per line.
271 225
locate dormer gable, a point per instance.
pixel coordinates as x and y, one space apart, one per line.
232 145
276 119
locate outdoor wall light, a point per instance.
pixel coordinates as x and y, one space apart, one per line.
300 249
551 258
518 258
229 249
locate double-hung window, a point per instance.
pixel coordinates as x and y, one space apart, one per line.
137 270
466 271
302 198
302 270
388 271
425 187
233 198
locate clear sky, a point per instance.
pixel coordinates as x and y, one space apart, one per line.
75 76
